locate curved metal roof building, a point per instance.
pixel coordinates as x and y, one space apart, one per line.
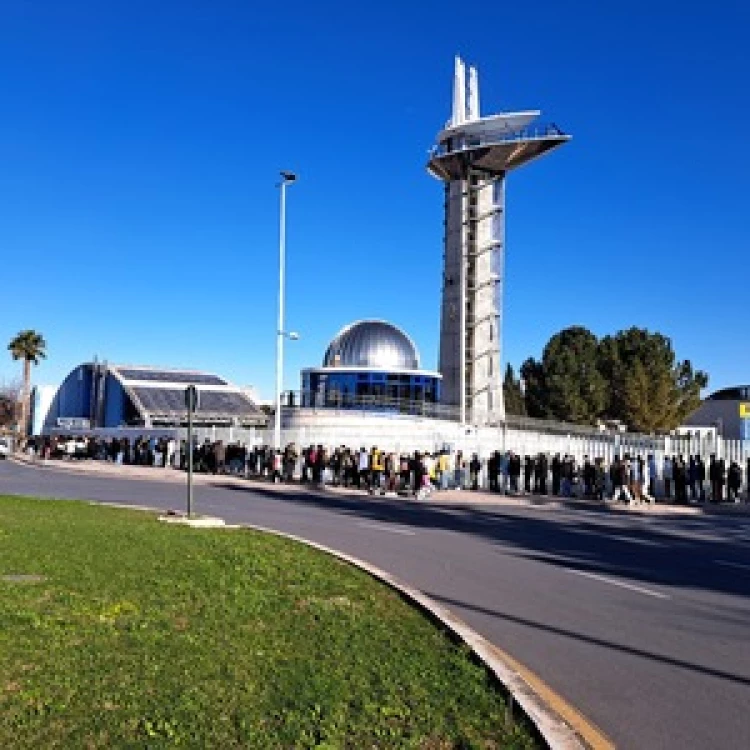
100 395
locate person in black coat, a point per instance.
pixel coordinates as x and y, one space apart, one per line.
474 468
700 476
543 469
514 471
528 473
734 482
493 464
556 473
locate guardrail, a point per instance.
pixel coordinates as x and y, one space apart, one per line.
533 133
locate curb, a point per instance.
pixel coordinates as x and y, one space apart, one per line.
561 727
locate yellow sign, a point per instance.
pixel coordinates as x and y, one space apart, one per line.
745 411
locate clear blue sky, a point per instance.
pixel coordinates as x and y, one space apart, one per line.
140 143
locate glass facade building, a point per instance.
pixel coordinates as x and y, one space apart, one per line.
371 364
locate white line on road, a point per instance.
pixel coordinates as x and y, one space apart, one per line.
730 564
392 529
621 584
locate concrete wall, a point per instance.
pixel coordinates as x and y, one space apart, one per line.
357 428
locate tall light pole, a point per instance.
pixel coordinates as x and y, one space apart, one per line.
287 178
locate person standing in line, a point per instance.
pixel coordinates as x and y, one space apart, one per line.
589 475
556 472
734 482
543 468
600 479
221 457
652 476
721 478
336 457
493 463
645 474
514 471
474 468
700 472
276 463
444 468
503 473
679 474
376 469
713 473
620 478
666 474
363 468
564 476
321 463
528 473
693 478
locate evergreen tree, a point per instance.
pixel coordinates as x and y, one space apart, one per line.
513 394
567 384
633 377
536 400
649 390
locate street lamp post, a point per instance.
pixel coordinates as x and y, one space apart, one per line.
287 178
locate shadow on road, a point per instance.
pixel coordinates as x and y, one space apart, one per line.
705 552
680 663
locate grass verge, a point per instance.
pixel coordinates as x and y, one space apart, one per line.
117 631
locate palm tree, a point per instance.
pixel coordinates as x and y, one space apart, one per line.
28 346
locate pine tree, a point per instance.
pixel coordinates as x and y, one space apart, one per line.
515 403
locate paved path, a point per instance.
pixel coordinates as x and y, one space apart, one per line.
641 620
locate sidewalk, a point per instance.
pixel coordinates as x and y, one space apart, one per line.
441 497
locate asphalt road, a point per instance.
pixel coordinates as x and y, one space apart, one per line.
641 622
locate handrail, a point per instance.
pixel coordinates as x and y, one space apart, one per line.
533 133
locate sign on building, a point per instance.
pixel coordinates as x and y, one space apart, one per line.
74 423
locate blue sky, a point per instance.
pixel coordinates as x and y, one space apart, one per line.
140 145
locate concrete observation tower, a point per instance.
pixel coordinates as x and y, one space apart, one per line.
472 156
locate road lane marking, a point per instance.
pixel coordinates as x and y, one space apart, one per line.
381 527
730 564
621 584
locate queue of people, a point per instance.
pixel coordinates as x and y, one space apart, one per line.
630 479
139 451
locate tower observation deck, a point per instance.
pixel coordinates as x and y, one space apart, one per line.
472 156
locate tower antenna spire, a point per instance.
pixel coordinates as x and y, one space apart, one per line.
473 93
459 93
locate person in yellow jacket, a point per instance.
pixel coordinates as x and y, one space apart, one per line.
443 470
377 467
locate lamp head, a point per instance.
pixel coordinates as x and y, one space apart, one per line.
288 176
293 335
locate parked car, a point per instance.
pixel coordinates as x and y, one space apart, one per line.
4 447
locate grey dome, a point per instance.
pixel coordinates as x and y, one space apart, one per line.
372 343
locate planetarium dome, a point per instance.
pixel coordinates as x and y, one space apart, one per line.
373 344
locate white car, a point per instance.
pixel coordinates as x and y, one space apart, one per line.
4 447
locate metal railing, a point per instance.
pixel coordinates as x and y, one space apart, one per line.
532 133
371 404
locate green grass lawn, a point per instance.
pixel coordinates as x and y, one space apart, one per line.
141 634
